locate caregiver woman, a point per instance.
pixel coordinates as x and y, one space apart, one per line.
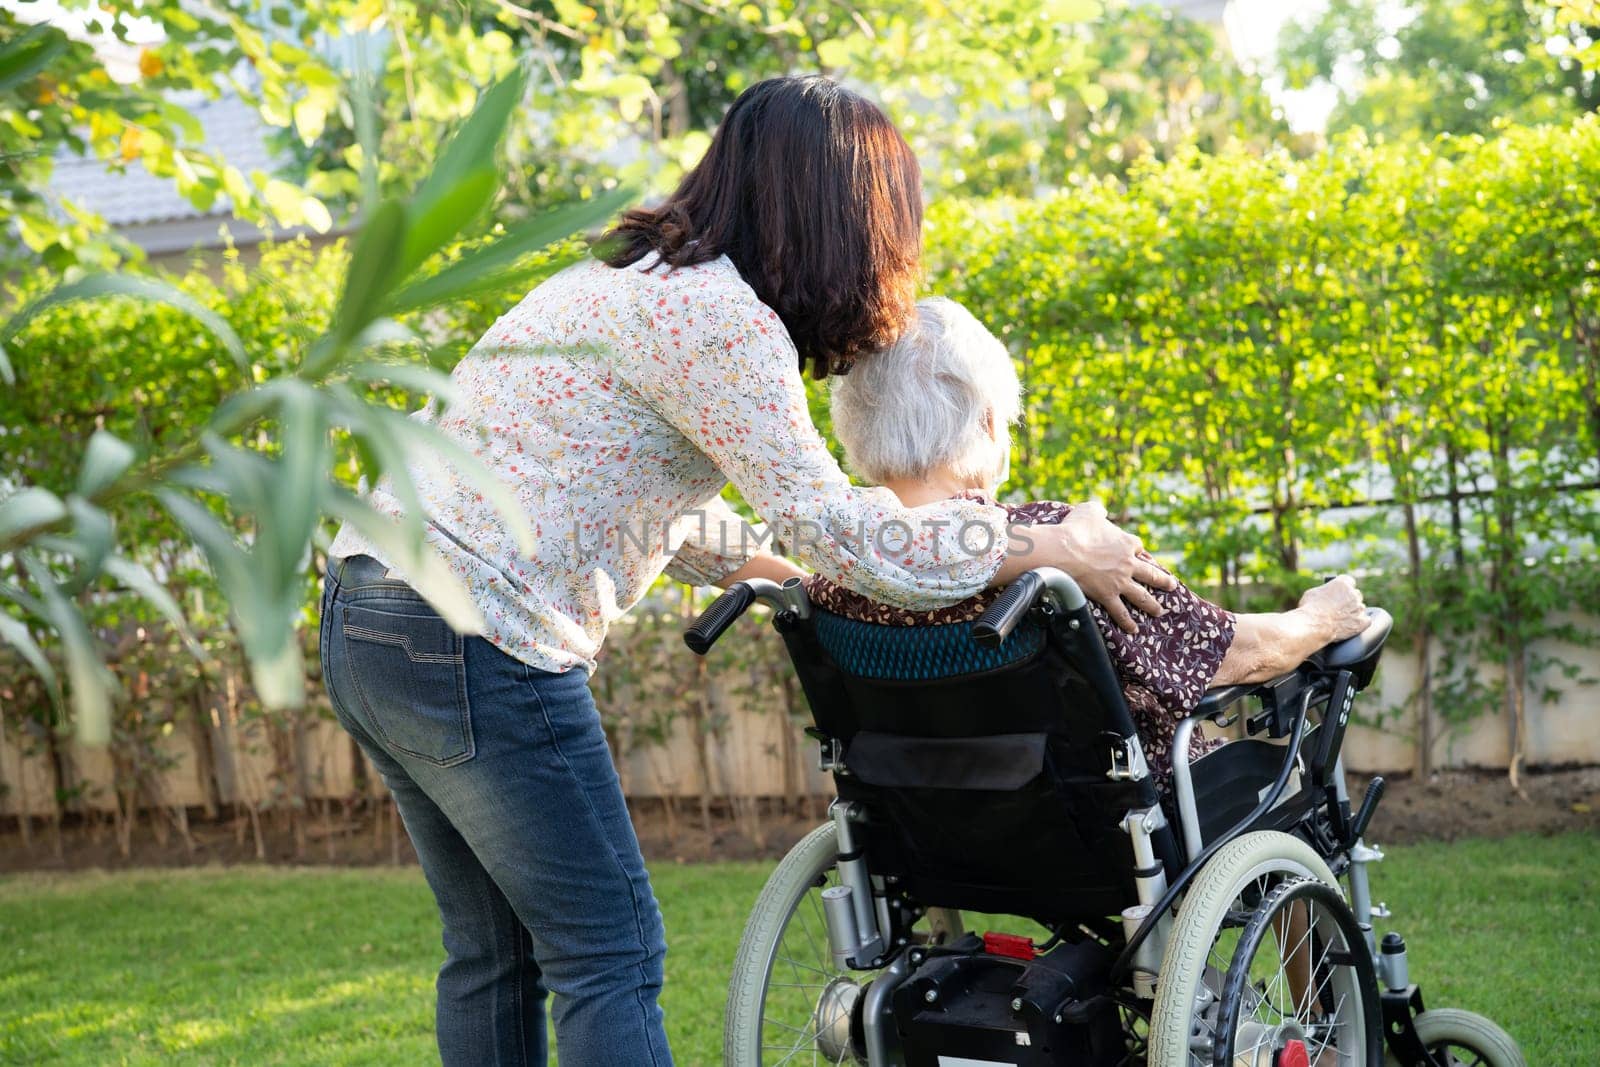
617 399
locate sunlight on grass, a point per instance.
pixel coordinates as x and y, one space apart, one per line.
284 966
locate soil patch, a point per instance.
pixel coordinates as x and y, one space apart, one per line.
1444 807
1456 804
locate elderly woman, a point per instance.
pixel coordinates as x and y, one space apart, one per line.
929 418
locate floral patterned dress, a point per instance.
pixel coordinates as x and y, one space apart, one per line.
615 404
1165 668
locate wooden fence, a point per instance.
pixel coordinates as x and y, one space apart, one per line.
754 752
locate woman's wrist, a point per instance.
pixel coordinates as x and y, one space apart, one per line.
1017 560
764 565
1108 564
1315 627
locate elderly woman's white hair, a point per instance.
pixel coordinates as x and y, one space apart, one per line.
943 396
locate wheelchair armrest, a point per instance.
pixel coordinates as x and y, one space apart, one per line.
1218 700
1359 654
1275 693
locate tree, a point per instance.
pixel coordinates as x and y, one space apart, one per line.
1156 83
641 83
1579 19
1435 66
56 94
1016 96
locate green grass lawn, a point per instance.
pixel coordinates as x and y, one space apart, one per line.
282 966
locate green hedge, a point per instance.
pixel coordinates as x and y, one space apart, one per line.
1391 352
1386 354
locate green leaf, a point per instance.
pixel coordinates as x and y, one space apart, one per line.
263 615
279 673
473 147
228 561
105 460
301 473
310 118
27 511
423 568
434 223
383 455
92 286
93 530
833 54
241 410
363 103
245 475
17 635
388 453
372 269
23 57
30 604
417 379
90 681
484 268
7 373
385 331
140 581
1071 10
426 443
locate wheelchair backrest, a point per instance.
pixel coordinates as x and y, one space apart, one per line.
990 779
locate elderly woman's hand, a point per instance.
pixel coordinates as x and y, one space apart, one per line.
1109 564
1338 608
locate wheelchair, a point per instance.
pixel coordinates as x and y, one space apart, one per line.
993 769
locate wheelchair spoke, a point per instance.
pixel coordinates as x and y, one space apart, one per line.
1204 1030
1290 977
1330 1032
805 1041
796 1013
797 966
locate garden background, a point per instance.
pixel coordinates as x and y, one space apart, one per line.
1275 351
1289 294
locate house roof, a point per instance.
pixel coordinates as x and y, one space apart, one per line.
133 200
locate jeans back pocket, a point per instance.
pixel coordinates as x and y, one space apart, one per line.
409 670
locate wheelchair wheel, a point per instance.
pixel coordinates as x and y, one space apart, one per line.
1301 986
1184 1025
787 1002
1464 1039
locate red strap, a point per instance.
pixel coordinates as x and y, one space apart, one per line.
1012 945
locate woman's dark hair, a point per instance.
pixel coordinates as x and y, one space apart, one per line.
816 198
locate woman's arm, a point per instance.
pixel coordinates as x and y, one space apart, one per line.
764 565
1268 645
726 376
1109 564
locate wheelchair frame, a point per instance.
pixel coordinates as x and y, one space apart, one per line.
858 923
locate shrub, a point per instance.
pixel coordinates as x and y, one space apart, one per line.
1389 355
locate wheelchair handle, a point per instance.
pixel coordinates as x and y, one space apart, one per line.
1019 598
704 631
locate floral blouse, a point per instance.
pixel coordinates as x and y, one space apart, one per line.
1165 668
616 404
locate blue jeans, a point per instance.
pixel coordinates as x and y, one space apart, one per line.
504 780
